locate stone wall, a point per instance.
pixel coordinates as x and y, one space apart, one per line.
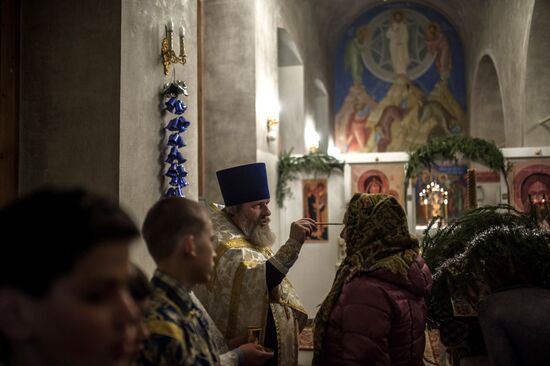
141 170
90 105
229 88
70 87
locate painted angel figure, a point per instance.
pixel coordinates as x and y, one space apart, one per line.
352 59
438 45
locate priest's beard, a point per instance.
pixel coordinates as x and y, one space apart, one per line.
259 235
262 236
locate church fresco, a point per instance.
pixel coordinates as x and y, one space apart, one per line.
399 80
315 205
529 182
386 178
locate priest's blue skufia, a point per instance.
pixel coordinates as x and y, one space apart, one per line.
243 183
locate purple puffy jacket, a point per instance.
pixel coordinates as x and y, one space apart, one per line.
379 319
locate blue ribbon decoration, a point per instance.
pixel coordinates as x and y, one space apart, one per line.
176 171
172 172
179 124
174 192
179 182
172 125
175 155
176 140
171 104
181 172
180 107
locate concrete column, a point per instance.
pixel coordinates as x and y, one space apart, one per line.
229 88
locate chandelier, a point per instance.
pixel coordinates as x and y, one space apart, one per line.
433 197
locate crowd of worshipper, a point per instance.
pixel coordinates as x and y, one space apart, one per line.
219 294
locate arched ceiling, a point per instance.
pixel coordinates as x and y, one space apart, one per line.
333 17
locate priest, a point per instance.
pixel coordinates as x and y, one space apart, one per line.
248 291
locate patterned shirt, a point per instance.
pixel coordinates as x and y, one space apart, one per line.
179 331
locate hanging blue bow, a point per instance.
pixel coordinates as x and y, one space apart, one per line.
172 171
174 192
180 107
181 172
178 124
171 104
176 140
176 172
178 181
175 155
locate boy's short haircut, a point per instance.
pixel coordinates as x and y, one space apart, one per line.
167 220
46 232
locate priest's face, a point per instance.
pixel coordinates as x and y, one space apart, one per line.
253 219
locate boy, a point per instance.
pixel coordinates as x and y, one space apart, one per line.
63 281
179 235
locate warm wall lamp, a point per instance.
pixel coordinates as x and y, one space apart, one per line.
167 50
271 129
311 136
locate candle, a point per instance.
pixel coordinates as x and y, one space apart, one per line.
182 43
471 184
170 30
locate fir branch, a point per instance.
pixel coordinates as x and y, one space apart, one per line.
488 247
447 148
290 166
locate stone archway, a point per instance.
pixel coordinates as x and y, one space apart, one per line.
536 116
486 113
291 93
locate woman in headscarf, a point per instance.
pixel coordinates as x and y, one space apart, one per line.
375 313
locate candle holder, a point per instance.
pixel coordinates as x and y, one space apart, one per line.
434 196
272 124
472 188
168 55
539 209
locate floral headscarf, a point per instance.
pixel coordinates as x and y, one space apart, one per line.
377 237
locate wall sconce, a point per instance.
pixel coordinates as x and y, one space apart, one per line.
167 50
311 136
272 124
313 149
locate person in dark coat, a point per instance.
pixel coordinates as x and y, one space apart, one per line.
375 313
515 327
514 316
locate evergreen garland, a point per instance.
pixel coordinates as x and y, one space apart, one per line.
446 148
289 166
493 245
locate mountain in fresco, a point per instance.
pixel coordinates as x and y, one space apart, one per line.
404 118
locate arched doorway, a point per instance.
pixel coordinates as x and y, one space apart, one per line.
536 120
320 114
291 94
486 114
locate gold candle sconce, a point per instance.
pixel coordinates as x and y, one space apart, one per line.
168 54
